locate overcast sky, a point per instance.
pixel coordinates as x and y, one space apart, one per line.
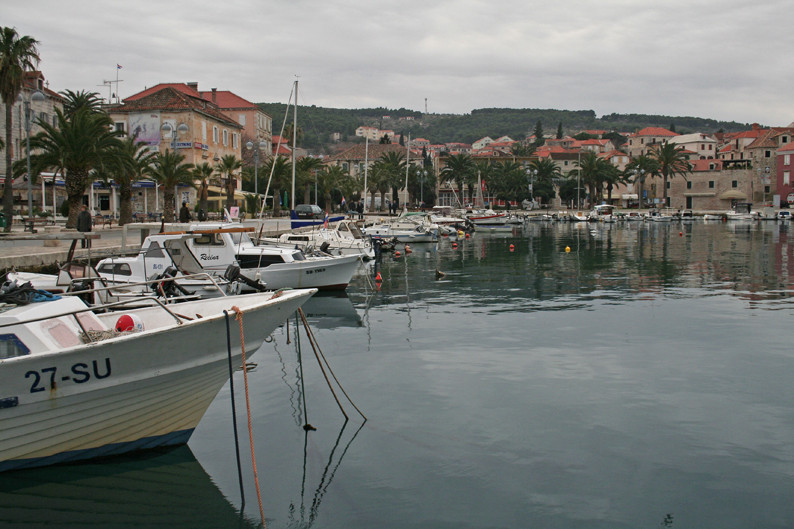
721 59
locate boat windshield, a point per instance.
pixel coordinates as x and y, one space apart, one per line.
241 238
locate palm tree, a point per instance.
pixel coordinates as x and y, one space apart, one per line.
510 182
78 146
169 171
74 101
548 173
132 162
279 169
17 55
305 169
672 162
595 172
458 168
393 166
328 179
226 167
203 173
638 170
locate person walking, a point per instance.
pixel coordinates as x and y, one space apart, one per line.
84 223
184 213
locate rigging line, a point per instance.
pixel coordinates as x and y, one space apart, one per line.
306 425
239 318
234 411
275 156
314 348
319 351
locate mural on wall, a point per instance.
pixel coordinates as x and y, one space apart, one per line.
146 125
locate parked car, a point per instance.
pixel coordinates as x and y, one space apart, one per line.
309 211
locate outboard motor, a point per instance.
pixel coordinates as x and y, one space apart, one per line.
233 274
168 287
324 246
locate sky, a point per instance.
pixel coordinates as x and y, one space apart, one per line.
721 59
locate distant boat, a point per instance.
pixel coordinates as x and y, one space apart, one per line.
79 384
341 238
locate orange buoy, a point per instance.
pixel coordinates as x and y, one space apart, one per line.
567 249
680 233
397 253
512 247
408 249
468 235
454 245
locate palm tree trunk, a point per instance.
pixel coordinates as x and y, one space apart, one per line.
8 191
276 201
203 195
75 188
125 203
168 203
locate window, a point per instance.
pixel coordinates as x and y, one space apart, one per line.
735 183
119 126
767 154
234 140
668 185
204 131
11 346
786 178
241 119
784 139
225 137
689 185
215 136
786 159
711 184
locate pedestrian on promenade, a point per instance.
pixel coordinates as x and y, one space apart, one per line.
184 213
84 222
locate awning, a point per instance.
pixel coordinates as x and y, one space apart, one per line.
629 196
221 193
733 194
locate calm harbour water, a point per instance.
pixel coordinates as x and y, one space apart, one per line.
641 380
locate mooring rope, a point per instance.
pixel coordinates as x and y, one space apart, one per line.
318 353
234 410
239 317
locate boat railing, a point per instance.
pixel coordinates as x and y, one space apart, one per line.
94 308
125 286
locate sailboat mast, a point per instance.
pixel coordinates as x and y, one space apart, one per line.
294 145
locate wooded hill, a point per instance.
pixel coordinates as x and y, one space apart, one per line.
318 123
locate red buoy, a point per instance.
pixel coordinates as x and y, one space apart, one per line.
378 278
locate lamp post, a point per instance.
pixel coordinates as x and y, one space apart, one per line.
167 127
531 174
36 96
259 146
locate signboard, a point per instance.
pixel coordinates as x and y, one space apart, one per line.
145 127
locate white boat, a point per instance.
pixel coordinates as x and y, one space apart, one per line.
218 246
603 213
488 218
661 216
742 211
402 230
714 216
341 238
72 387
580 216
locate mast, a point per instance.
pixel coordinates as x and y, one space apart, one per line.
294 145
366 167
407 166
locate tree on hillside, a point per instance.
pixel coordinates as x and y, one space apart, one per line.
559 131
538 133
17 56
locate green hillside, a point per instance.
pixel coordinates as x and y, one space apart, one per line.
319 123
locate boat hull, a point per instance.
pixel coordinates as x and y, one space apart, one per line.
324 274
128 393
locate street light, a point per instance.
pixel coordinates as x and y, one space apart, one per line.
423 173
531 174
167 127
36 96
261 145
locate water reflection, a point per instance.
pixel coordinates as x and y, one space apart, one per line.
159 488
635 259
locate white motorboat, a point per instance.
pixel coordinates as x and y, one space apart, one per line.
580 216
77 384
403 231
742 211
603 213
218 246
342 238
488 218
